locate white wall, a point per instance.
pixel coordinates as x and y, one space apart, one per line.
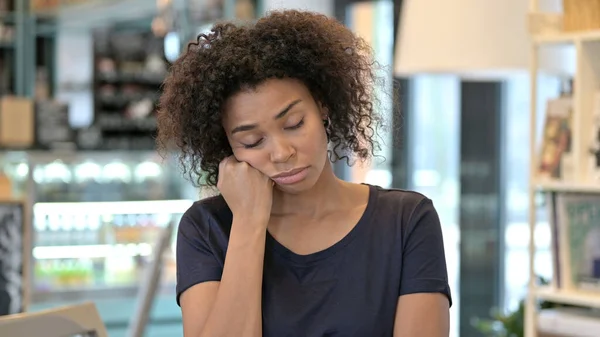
492 36
322 6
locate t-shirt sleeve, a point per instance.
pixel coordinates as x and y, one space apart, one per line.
424 262
196 262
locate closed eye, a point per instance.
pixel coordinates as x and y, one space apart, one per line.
293 127
249 146
297 126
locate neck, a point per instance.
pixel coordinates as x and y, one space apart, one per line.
322 198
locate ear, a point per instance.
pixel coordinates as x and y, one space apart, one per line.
324 111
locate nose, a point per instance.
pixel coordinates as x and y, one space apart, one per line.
282 150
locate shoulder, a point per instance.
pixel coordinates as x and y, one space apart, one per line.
214 206
398 196
207 214
411 213
404 204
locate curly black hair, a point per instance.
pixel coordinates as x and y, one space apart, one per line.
336 66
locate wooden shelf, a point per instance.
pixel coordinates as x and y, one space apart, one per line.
567 38
550 39
584 299
557 186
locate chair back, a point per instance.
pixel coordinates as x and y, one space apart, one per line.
82 320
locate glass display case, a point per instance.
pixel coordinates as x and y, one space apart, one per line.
96 217
89 248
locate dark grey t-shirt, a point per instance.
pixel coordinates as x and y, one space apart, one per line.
348 289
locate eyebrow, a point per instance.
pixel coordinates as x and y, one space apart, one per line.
281 114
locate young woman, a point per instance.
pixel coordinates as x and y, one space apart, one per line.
288 249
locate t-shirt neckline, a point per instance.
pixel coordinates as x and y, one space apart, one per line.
365 218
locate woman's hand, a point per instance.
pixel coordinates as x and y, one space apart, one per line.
247 191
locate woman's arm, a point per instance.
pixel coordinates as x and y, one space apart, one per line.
422 315
424 301
231 307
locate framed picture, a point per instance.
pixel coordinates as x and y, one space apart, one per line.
14 257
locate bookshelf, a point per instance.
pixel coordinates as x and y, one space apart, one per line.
584 178
551 294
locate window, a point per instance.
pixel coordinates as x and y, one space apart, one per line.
435 138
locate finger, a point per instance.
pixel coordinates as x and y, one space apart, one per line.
228 159
223 163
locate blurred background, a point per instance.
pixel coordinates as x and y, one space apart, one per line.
94 206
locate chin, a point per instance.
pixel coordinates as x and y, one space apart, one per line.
295 188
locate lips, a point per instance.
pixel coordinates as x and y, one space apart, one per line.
291 177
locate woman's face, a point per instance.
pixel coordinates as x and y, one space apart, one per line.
277 128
